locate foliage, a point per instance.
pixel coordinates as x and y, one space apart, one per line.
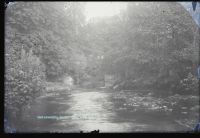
189 84
24 81
157 54
39 47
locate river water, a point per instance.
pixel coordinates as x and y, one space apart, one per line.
88 110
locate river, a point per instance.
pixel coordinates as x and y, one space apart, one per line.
88 110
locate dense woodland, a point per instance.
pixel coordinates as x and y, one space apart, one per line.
147 46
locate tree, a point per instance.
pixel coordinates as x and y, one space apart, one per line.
37 49
157 46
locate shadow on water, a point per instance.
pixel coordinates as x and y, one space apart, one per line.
45 112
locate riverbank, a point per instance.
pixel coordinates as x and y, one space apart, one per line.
177 108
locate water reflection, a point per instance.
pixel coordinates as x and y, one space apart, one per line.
86 111
89 112
93 110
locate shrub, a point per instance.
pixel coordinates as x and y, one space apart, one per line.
24 80
189 85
